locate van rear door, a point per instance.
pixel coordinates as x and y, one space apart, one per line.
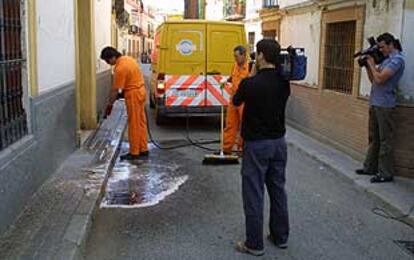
185 69
221 41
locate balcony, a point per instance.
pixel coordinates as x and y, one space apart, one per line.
270 4
234 10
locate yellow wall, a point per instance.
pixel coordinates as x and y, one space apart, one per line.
85 65
33 81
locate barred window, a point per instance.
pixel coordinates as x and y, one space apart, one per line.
338 65
270 3
13 125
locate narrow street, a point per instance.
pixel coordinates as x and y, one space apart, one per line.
84 175
203 216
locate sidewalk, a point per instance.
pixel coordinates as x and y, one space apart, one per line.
55 223
398 197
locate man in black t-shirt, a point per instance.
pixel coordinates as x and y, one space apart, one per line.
264 96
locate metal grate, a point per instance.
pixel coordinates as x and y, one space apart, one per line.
338 66
13 123
406 245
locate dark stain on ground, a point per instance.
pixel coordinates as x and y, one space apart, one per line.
143 183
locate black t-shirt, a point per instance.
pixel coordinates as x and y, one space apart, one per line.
264 96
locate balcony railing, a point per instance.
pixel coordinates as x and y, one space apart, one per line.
270 3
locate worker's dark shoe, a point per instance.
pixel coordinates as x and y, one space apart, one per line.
242 248
379 179
362 172
129 157
279 244
144 154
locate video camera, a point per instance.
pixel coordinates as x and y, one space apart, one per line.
373 51
292 63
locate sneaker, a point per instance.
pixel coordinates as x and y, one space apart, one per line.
242 248
281 245
379 179
362 172
129 157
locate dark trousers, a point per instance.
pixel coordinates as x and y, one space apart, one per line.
379 156
264 162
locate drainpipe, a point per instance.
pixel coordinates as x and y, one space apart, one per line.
403 20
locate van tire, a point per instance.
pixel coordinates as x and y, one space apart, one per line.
159 117
152 101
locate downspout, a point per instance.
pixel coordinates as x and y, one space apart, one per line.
403 19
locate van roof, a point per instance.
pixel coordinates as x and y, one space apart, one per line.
190 21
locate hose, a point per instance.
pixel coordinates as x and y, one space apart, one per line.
190 141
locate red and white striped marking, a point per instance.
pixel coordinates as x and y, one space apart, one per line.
194 90
216 96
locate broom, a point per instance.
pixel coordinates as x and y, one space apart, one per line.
221 158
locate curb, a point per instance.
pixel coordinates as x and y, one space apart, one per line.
347 173
106 148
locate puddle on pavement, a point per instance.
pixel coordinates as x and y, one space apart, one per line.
142 183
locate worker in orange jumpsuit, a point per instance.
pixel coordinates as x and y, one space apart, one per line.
129 79
239 71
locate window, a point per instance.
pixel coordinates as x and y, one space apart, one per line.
342 35
339 47
13 124
270 3
252 39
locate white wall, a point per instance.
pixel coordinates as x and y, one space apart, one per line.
214 10
252 21
406 88
286 3
255 27
56 43
102 31
304 30
252 9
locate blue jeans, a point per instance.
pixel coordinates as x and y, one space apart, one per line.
264 162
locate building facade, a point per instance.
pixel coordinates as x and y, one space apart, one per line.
331 104
270 15
253 23
135 26
51 89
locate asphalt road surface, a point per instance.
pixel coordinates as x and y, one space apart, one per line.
180 209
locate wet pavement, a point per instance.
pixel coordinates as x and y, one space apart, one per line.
142 183
172 207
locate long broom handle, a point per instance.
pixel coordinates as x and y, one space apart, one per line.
222 130
222 126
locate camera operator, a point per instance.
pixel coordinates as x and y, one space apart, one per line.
264 96
384 78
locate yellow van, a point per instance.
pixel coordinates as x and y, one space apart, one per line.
191 58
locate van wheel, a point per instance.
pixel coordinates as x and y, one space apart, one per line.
159 117
152 101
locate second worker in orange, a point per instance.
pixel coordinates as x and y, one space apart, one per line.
239 71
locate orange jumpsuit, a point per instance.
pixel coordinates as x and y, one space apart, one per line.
129 78
234 114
